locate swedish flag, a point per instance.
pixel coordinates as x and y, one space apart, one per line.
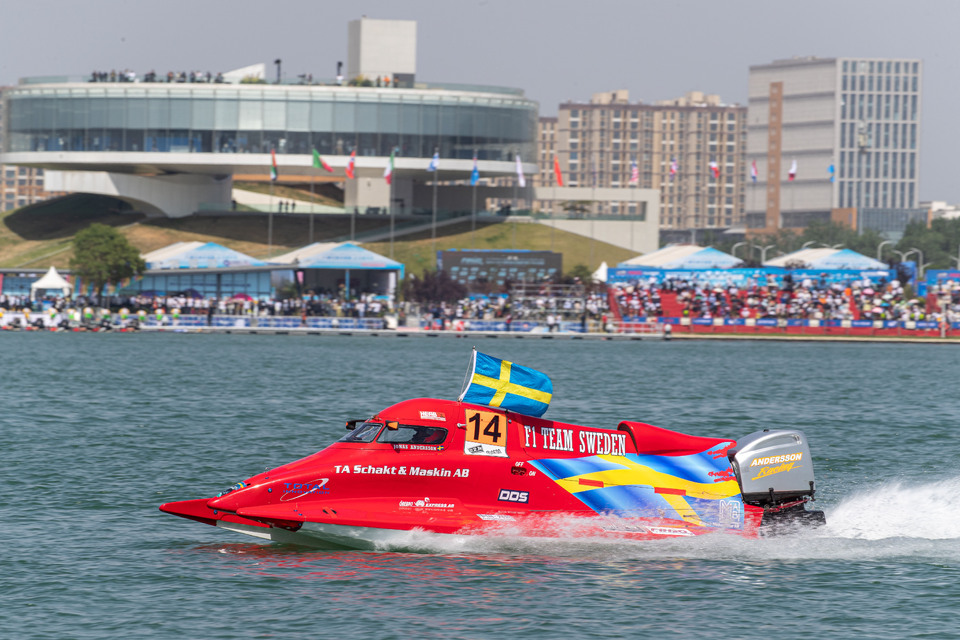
498 383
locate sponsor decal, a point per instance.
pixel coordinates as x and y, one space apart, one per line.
636 528
722 476
293 490
418 447
600 443
501 517
626 528
486 434
435 472
432 415
506 495
790 457
424 503
769 471
731 513
670 531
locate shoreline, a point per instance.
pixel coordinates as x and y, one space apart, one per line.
423 333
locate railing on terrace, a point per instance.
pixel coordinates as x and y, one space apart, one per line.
161 78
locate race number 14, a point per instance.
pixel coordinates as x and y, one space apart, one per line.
486 427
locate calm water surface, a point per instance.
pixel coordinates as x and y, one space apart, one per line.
97 430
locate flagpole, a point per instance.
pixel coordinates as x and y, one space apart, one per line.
270 224
473 209
434 227
516 184
391 211
312 205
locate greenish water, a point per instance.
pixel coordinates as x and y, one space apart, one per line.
97 430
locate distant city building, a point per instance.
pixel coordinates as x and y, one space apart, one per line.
674 144
382 49
830 136
19 186
941 209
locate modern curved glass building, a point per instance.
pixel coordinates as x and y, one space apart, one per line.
173 147
149 138
257 118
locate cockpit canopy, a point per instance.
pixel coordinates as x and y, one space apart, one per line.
395 433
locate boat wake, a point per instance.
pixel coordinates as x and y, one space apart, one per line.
899 510
894 519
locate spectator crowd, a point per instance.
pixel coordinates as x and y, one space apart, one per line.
808 299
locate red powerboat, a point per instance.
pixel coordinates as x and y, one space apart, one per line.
459 468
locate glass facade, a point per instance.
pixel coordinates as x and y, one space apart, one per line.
879 117
258 118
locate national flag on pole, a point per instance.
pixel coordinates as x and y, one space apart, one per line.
674 168
350 162
497 383
319 162
520 179
634 172
793 171
273 167
832 171
388 172
556 171
715 169
753 170
475 174
434 162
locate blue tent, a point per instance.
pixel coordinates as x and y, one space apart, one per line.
684 256
338 255
197 255
827 258
847 259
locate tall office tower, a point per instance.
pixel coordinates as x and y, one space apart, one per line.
692 149
832 138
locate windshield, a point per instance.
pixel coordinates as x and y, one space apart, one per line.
365 432
412 434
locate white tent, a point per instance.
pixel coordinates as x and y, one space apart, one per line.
51 280
600 275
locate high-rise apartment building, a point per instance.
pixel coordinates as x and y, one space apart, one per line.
692 149
832 137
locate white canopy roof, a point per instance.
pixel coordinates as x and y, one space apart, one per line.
51 280
683 256
826 258
600 275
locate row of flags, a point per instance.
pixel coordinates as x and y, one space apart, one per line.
792 174
320 163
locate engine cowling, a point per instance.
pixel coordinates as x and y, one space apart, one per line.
773 467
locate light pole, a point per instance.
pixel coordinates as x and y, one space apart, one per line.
277 62
880 249
903 254
733 251
763 251
920 264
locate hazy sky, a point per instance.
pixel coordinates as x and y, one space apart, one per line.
555 51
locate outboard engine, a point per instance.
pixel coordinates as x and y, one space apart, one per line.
775 471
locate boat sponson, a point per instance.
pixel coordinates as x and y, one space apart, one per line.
199 511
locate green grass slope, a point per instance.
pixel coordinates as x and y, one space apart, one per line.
40 235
